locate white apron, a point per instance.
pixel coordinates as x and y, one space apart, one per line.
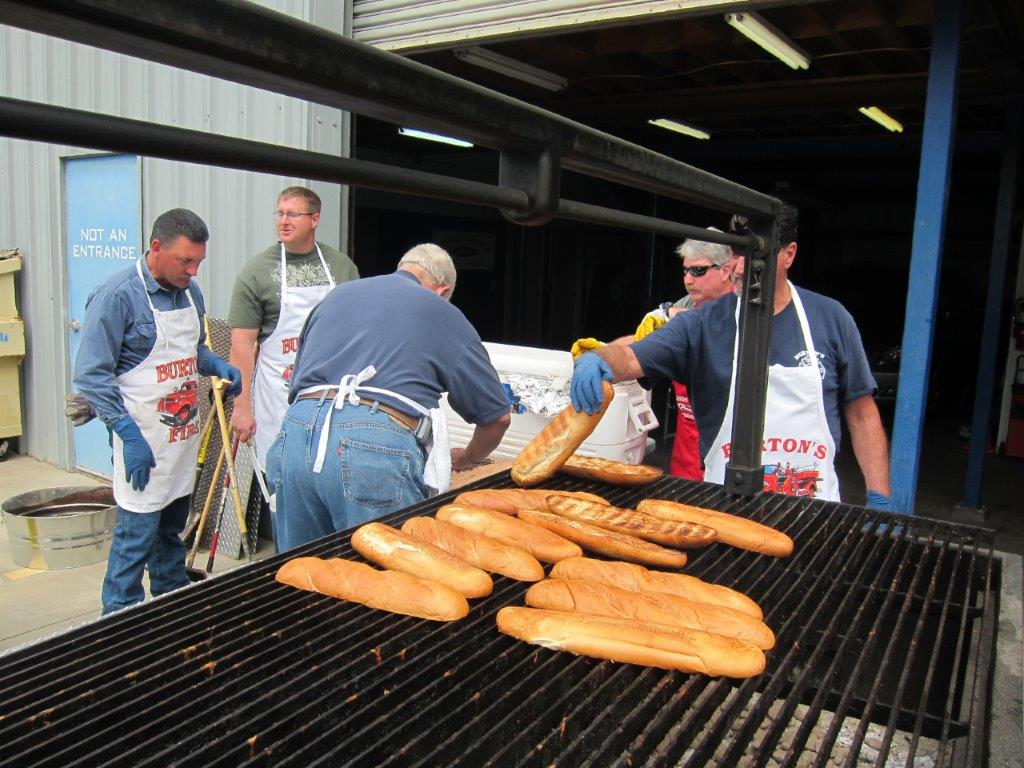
277 356
437 472
162 395
797 452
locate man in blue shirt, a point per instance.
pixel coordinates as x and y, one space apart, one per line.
374 358
818 370
138 365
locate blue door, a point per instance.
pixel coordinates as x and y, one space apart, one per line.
103 225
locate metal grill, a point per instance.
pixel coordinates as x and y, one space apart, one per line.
885 632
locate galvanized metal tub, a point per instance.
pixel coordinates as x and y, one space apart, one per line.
57 528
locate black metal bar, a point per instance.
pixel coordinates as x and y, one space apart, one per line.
248 44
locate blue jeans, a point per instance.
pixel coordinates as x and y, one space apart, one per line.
373 466
145 540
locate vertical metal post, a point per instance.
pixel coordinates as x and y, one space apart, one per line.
983 391
926 252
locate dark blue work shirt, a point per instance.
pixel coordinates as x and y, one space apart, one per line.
419 343
696 348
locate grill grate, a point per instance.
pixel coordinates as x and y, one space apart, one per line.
885 643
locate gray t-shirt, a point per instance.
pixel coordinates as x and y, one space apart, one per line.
419 343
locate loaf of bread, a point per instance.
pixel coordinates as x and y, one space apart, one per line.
597 599
386 590
632 642
475 548
633 523
637 579
511 500
390 548
546 546
604 542
729 529
608 471
548 450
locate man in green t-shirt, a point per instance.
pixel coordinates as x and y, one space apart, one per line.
272 297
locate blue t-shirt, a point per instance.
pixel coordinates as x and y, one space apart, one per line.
419 343
696 348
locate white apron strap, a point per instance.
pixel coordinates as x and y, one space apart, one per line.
284 266
346 391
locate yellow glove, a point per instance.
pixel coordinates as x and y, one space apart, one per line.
585 345
652 321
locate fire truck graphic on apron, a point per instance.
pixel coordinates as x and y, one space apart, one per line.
792 481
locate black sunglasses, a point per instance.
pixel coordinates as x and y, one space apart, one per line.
699 271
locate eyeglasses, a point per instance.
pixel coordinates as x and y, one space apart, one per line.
289 214
699 271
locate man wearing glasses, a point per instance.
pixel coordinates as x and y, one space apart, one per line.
818 375
273 295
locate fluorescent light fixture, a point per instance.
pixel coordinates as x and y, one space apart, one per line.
495 62
752 26
882 119
415 134
683 128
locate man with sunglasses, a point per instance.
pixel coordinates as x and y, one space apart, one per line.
818 373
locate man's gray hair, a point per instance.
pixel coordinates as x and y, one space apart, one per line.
178 222
435 263
716 253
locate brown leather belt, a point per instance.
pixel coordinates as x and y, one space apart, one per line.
393 413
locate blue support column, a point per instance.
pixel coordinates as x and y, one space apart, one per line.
926 253
984 391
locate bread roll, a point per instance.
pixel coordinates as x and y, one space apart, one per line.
548 450
390 548
597 599
386 590
729 529
546 546
608 471
638 579
610 543
475 548
633 523
632 642
510 500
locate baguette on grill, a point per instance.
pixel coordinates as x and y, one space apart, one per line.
633 523
475 548
548 450
638 579
632 642
511 500
730 529
608 471
386 590
610 543
546 546
597 599
390 548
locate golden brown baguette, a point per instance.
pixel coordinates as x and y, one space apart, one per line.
475 548
730 529
632 642
390 548
597 599
633 523
511 500
604 542
386 590
638 579
548 450
608 471
546 546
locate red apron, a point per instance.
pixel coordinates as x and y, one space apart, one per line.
686 448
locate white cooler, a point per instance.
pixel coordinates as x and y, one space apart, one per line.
621 434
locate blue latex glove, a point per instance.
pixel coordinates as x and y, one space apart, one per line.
880 502
585 389
229 373
138 458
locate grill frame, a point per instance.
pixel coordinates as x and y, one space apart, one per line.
209 668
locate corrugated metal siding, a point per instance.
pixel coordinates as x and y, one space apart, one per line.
236 205
416 25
